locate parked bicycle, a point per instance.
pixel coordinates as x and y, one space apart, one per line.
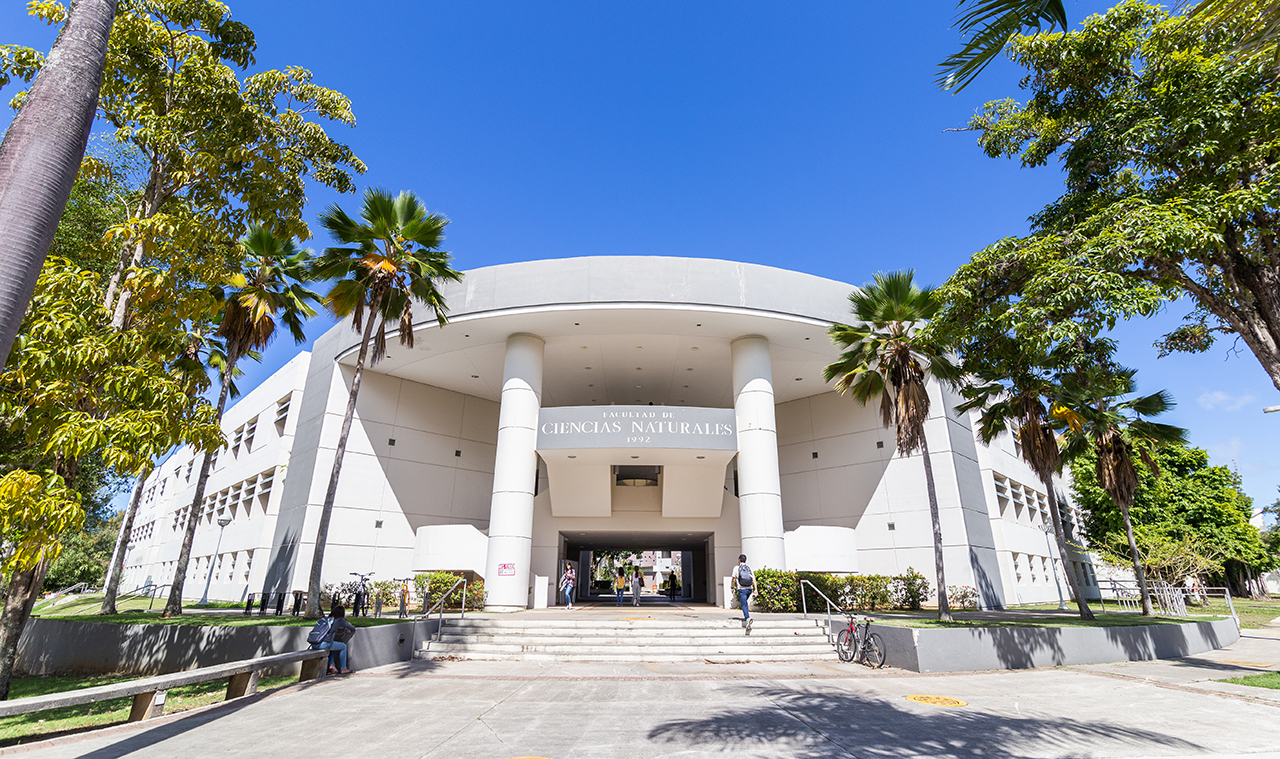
858 643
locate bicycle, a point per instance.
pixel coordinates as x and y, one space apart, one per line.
858 643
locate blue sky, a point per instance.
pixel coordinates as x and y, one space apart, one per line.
803 135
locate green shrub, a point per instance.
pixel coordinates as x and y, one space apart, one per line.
429 586
777 590
866 592
827 583
962 596
909 591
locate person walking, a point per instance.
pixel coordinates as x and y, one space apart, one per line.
620 585
744 581
637 584
566 584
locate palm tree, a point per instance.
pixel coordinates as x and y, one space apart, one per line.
392 258
885 359
989 26
1017 404
271 288
41 154
1091 409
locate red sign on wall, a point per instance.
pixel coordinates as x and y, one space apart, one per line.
506 570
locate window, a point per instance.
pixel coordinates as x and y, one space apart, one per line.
282 412
249 429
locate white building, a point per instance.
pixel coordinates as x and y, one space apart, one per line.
598 403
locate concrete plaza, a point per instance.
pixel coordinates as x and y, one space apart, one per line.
499 710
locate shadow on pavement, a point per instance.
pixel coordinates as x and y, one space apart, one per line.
811 725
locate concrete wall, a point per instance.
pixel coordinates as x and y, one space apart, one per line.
50 646
439 470
993 648
840 468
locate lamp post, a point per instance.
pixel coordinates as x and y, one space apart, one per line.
222 525
1062 602
1270 409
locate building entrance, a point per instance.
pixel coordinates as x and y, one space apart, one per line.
674 567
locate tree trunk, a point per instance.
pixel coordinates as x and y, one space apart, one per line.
1054 514
114 571
41 153
24 586
944 608
174 605
322 532
1147 609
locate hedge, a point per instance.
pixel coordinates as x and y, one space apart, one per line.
779 591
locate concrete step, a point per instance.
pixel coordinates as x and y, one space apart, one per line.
563 638
814 651
626 624
614 657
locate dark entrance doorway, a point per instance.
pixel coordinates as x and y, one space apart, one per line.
688 557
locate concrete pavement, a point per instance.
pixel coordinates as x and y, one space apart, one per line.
498 710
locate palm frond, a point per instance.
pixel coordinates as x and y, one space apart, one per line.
989 25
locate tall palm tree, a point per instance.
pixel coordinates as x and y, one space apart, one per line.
41 154
1091 408
1017 404
390 258
989 25
886 359
271 289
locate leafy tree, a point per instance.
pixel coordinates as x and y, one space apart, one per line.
1190 518
1168 140
886 359
1098 418
42 148
270 290
214 151
392 258
85 555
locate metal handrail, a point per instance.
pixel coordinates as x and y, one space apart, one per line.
149 590
804 604
65 591
439 605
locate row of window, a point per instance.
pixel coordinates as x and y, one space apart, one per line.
236 501
1032 569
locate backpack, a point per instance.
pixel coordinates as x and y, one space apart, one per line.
746 579
320 631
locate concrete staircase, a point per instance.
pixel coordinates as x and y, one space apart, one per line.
660 639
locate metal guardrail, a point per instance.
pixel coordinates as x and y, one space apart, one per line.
439 605
1167 600
78 588
143 591
804 605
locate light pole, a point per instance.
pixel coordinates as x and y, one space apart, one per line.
1062 603
1270 409
222 525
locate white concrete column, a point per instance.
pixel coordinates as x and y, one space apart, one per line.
515 472
759 486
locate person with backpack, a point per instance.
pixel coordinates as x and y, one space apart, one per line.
331 633
744 581
620 585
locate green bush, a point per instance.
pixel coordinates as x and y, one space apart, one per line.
429 586
777 590
962 596
827 583
866 592
909 591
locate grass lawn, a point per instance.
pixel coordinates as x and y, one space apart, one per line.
71 719
1253 614
1101 620
1265 680
135 612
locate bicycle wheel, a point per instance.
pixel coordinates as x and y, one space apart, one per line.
873 651
846 645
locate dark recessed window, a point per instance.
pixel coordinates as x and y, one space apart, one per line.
891 527
457 454
377 525
879 443
391 441
815 454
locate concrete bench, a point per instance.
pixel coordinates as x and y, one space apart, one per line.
149 692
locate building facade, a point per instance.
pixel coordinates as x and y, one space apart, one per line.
604 403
